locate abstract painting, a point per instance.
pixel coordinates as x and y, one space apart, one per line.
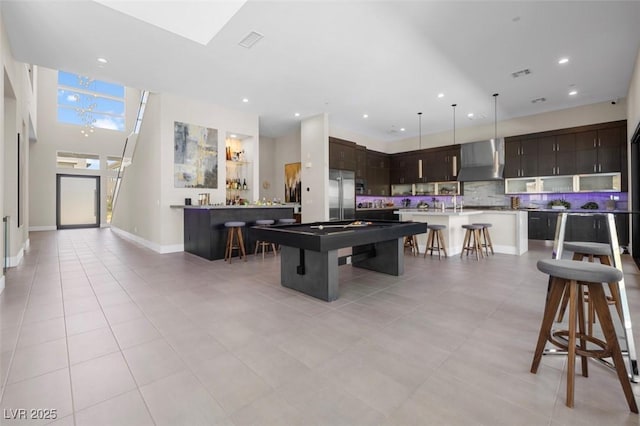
292 184
195 156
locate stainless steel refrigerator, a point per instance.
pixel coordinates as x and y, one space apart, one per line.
342 194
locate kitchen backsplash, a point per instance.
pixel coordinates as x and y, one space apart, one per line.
491 193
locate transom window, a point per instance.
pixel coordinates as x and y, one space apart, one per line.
89 103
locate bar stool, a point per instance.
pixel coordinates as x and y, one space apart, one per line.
485 237
435 240
263 244
591 251
286 221
471 241
411 243
234 233
568 276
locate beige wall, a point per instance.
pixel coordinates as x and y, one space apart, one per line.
54 137
314 147
144 211
268 169
633 99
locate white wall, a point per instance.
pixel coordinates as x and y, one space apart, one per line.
633 100
572 117
17 93
314 146
268 169
144 211
54 137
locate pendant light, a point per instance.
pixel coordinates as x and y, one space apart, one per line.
496 154
420 139
454 159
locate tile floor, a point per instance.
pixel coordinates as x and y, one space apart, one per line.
109 333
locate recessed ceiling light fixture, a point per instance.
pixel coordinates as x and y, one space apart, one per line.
102 60
233 136
402 129
365 115
245 100
470 115
563 61
441 95
573 92
297 114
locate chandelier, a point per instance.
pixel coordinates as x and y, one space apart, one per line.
87 105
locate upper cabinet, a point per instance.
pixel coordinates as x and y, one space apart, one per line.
598 148
520 157
443 164
601 150
342 154
377 173
404 167
361 162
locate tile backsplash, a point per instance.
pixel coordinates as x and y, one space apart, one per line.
491 193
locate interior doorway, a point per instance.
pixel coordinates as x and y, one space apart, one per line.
77 201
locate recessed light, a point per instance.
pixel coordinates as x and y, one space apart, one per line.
573 93
102 60
402 129
297 114
233 136
365 115
441 95
470 115
245 100
563 61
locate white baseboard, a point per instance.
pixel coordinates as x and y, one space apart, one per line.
1 284
158 248
42 228
14 261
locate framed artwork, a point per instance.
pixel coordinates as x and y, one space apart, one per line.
292 184
195 156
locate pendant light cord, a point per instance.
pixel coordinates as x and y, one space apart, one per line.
454 122
420 129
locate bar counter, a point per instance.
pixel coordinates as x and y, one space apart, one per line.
205 234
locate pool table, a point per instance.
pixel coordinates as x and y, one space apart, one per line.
309 251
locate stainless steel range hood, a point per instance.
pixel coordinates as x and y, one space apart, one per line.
482 160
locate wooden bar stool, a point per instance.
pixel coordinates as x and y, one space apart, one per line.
471 241
264 245
435 240
411 243
591 251
485 237
568 276
234 233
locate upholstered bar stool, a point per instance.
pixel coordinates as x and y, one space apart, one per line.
568 276
411 243
591 251
435 240
485 237
263 245
286 221
235 240
471 241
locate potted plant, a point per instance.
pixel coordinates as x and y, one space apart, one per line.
559 204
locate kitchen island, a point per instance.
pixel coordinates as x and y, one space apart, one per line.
509 232
205 234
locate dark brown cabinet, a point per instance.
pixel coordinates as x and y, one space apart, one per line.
342 154
556 155
520 158
377 173
404 168
600 151
361 162
442 164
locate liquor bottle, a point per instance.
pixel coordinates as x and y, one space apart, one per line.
244 184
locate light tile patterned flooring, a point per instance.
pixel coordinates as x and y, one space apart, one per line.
109 333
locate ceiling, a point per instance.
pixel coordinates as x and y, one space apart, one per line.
387 59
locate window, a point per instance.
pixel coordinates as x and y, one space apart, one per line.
90 103
72 160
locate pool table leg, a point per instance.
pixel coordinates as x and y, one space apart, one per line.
320 278
389 258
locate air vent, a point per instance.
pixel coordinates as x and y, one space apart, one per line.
252 38
521 73
538 100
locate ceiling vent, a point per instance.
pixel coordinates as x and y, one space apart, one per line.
538 100
521 73
252 38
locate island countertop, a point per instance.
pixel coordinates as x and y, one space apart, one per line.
223 207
